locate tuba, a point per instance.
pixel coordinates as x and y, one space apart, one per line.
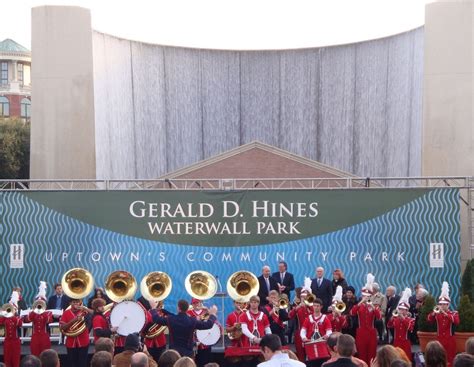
120 286
77 283
200 285
156 286
39 306
242 285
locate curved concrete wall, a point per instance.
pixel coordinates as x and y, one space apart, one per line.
355 107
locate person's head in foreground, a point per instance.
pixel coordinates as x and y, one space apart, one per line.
386 355
139 359
49 358
168 358
30 361
101 359
463 360
184 362
435 355
345 346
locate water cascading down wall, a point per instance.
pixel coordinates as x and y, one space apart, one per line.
136 110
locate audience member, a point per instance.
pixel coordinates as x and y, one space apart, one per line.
184 362
435 355
101 359
345 348
332 343
385 356
291 354
30 361
212 364
132 346
400 363
470 345
139 360
463 360
49 358
271 350
338 279
104 344
168 358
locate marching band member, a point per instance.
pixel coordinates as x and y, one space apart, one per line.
366 334
316 325
203 354
402 324
12 343
445 319
276 315
100 322
300 313
77 341
40 318
234 325
155 344
255 323
338 321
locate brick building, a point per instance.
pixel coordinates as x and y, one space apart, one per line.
15 80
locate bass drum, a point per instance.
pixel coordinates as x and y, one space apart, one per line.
210 336
128 316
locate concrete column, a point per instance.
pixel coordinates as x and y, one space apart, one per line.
448 125
62 128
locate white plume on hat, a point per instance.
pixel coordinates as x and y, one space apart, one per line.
41 291
404 299
307 284
444 297
15 297
368 288
338 295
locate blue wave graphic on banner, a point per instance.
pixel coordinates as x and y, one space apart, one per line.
395 247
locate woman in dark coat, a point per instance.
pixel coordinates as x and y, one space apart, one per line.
338 279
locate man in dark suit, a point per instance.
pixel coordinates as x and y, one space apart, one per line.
322 289
392 304
285 280
267 284
58 301
181 326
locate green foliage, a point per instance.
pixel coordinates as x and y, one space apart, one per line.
467 281
466 315
466 306
428 306
14 149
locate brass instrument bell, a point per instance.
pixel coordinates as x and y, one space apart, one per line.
120 285
156 286
200 285
242 285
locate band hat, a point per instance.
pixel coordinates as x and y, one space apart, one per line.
195 300
368 290
404 299
444 297
337 296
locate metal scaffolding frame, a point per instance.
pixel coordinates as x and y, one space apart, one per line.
339 183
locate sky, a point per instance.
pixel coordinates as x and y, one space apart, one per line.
233 24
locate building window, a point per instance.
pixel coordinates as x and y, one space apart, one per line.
4 73
20 74
4 106
25 108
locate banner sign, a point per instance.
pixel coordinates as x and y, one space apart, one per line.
402 236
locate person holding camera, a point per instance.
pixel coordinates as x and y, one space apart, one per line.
132 346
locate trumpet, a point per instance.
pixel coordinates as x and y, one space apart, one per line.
340 307
8 310
395 313
309 300
437 309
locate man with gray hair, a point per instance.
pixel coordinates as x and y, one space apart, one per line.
392 303
322 289
267 284
470 345
139 360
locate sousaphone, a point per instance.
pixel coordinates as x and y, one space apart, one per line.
155 287
77 283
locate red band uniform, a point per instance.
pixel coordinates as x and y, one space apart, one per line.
203 355
402 326
366 334
256 323
12 343
445 333
156 345
301 313
338 322
40 339
236 318
312 324
77 346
